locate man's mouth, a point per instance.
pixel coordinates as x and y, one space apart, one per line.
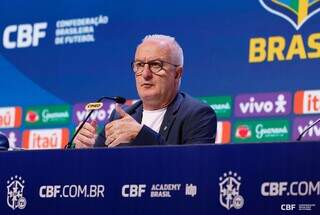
146 85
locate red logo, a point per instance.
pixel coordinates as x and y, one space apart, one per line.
32 117
243 132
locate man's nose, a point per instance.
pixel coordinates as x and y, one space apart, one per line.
146 73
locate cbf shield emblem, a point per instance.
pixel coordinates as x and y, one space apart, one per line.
230 191
15 197
296 12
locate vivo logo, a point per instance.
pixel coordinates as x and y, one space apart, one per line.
314 131
264 104
101 116
302 123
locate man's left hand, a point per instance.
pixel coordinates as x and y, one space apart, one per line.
123 130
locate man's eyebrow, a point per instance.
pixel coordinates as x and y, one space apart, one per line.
157 59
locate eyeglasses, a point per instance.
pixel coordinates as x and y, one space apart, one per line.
155 66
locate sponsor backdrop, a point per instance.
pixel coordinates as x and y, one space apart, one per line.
255 62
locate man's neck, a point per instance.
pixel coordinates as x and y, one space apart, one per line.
151 106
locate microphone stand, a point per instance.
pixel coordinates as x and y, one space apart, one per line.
117 99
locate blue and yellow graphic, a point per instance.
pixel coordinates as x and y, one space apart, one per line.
297 12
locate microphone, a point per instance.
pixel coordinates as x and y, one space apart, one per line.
4 142
92 107
307 129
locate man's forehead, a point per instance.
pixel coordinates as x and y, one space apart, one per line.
154 45
153 49
156 42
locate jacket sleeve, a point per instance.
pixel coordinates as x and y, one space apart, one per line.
200 127
147 137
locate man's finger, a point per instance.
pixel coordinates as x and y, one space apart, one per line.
114 143
120 111
109 140
88 127
85 140
94 123
79 144
87 133
113 126
109 125
119 140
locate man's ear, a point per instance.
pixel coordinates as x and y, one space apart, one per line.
179 71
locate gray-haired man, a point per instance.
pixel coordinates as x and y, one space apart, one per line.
164 115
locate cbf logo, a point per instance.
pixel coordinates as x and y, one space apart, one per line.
296 12
15 197
24 35
230 191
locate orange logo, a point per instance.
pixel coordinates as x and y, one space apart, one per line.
10 117
223 132
307 102
45 138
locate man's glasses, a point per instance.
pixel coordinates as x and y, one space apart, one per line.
155 66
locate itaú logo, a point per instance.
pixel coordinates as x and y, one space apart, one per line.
307 102
23 35
10 117
45 138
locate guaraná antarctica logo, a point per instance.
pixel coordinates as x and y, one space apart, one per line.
15 197
296 12
230 191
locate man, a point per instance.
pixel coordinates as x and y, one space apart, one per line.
164 115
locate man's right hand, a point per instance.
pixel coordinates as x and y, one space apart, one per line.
86 136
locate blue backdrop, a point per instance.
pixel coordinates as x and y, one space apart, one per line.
75 51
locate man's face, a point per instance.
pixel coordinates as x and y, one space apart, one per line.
156 90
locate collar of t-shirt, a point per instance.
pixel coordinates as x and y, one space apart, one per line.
153 118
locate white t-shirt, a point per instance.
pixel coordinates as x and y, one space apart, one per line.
153 118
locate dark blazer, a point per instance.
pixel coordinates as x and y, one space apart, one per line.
186 121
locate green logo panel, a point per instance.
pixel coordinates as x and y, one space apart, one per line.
47 115
220 104
261 131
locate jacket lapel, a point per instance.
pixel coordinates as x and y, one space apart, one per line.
136 111
170 116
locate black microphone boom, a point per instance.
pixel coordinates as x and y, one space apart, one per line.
307 129
117 99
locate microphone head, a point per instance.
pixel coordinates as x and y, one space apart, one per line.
4 142
94 106
119 100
